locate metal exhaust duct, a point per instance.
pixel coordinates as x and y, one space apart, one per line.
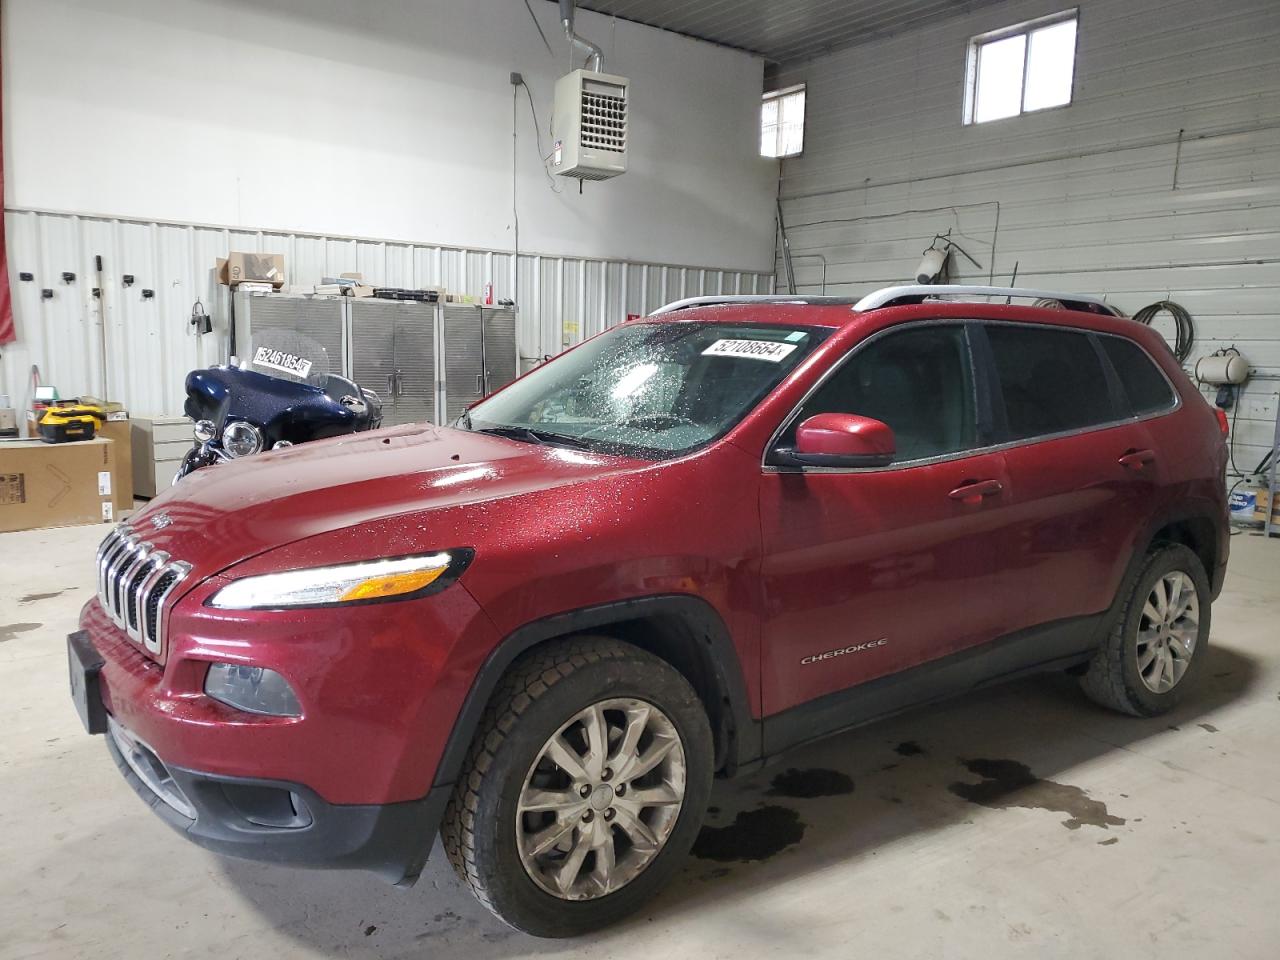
595 54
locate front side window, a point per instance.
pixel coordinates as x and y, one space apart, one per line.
1145 386
1027 67
652 390
918 381
1052 381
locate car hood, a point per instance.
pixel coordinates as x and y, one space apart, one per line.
230 512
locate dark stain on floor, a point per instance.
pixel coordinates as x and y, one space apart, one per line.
1208 726
1008 783
807 784
908 748
34 597
10 631
754 835
1107 843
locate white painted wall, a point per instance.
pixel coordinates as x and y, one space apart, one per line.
389 119
1093 197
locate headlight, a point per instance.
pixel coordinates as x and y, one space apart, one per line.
282 444
241 439
205 430
396 578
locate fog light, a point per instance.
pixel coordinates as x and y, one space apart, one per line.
251 689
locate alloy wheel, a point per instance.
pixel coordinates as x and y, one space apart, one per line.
1168 631
601 799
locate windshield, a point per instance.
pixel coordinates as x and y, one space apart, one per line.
648 389
288 355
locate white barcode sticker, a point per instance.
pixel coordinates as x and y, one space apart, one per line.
108 513
284 362
768 350
104 483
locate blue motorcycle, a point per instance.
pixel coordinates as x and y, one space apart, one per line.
283 395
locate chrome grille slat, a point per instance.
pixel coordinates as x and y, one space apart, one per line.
119 564
133 579
137 558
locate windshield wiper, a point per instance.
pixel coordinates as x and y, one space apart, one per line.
530 435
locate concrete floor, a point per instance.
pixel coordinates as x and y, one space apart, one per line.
1155 838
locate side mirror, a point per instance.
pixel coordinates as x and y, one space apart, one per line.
842 440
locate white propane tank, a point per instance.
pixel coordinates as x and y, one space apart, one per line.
930 265
1222 368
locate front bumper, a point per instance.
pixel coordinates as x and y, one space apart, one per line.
273 820
287 823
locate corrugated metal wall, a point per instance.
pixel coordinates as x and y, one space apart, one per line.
151 344
1161 180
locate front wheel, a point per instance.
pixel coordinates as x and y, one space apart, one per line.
584 789
1158 641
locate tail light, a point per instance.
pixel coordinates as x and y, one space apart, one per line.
1223 425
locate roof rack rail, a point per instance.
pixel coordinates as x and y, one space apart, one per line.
714 300
918 293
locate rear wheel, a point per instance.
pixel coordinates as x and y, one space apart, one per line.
1159 639
584 789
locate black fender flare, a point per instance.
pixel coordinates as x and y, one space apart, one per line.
703 624
1181 513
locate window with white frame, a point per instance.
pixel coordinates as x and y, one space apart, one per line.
1027 67
782 122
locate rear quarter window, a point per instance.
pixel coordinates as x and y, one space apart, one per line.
1146 387
1052 381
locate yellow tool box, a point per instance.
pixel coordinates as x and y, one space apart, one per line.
72 420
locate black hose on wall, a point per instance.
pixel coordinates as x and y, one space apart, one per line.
1186 331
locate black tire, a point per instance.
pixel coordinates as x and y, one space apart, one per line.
541 692
1112 678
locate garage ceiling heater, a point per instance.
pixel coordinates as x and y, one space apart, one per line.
589 117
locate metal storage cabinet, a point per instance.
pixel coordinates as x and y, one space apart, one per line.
463 358
159 444
499 327
393 353
323 319
479 352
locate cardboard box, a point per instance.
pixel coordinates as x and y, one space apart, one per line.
1260 507
119 431
55 484
259 267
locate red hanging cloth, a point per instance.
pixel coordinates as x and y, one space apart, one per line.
7 333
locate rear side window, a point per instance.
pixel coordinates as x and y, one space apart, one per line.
1144 384
918 381
1053 381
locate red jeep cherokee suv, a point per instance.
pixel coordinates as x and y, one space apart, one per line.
678 549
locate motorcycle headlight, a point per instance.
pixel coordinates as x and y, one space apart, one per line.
205 430
241 439
395 578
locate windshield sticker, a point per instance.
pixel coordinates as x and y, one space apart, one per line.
796 336
769 350
284 362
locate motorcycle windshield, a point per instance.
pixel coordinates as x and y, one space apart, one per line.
288 355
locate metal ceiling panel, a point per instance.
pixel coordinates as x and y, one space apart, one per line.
784 30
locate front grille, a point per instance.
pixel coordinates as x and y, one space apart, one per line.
134 581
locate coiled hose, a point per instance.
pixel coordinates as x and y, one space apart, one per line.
1186 331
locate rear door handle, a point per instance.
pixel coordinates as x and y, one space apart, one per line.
1137 459
976 490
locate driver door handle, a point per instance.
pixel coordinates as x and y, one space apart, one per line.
975 491
1137 459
